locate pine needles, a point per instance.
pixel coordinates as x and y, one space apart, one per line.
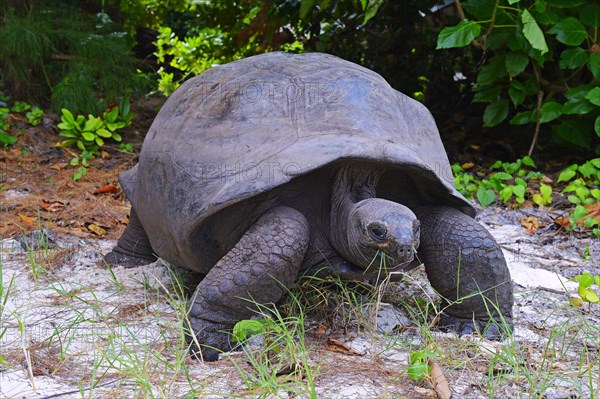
80 61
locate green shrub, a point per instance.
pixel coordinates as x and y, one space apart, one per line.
541 64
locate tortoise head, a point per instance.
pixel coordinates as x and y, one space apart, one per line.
377 226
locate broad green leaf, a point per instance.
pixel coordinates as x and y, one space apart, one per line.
578 92
550 111
577 107
587 169
594 65
573 58
67 116
495 113
92 124
597 126
590 15
579 212
68 133
590 296
74 161
546 190
575 133
124 107
116 136
501 176
87 136
516 62
490 72
485 196
523 118
533 33
519 191
64 126
569 31
487 94
80 145
513 1
527 161
458 36
103 133
6 138
112 115
99 141
418 371
246 327
594 96
516 92
585 279
506 193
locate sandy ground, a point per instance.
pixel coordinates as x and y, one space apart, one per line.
70 328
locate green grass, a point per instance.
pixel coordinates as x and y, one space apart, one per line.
122 334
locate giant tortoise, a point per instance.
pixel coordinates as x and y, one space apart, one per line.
280 164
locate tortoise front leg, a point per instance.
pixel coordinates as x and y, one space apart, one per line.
133 247
467 268
258 269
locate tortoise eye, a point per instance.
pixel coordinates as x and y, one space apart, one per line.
377 232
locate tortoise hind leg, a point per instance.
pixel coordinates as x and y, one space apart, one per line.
466 266
133 247
258 269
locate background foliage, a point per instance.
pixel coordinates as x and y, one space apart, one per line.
518 71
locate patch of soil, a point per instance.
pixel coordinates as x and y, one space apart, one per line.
37 188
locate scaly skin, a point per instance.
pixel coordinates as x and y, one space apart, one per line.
455 247
259 268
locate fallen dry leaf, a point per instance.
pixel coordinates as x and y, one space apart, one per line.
530 223
439 381
468 165
52 206
593 211
104 155
338 346
99 231
108 189
28 220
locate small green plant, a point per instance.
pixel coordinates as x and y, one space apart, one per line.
509 183
89 134
583 190
418 368
34 117
283 353
586 294
5 138
544 197
582 179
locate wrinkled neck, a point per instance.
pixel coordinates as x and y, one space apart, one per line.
351 185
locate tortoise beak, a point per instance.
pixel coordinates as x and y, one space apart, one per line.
403 244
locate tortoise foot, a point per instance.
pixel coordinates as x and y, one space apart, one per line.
115 257
489 329
211 339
